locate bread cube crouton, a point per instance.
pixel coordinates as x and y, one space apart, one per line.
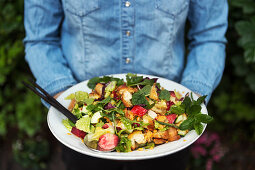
120 90
71 105
159 141
173 134
161 135
153 93
136 137
94 95
148 120
126 98
160 107
99 89
128 114
148 136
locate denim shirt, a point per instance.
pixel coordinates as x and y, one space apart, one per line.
68 41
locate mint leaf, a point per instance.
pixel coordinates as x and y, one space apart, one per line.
203 118
200 100
186 102
106 100
187 124
147 82
164 95
145 90
138 99
194 109
92 82
177 109
198 128
133 79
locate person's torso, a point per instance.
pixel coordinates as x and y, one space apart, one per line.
101 37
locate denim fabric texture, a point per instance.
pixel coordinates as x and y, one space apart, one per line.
68 41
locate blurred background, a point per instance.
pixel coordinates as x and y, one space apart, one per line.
228 143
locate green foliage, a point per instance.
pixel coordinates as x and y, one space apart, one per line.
32 153
20 109
233 102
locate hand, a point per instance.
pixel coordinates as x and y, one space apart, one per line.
58 94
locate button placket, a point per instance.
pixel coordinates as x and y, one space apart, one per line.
127 27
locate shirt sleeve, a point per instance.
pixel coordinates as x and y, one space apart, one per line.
42 19
206 58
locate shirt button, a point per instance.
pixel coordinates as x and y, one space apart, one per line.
128 33
127 4
128 60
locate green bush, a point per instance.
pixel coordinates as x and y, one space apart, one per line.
21 111
233 102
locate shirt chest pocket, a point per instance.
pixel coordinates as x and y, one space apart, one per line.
81 7
172 7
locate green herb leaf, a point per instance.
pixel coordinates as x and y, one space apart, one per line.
194 109
92 82
133 79
167 124
200 100
145 90
124 145
106 100
203 118
164 95
187 124
147 82
177 109
198 128
138 98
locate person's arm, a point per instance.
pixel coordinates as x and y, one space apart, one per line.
206 59
42 45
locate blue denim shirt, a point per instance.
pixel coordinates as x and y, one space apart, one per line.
68 41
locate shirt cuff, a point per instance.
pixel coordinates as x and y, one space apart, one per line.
57 86
199 87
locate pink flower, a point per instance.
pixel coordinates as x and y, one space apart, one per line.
209 164
198 150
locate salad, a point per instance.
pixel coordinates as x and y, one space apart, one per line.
133 115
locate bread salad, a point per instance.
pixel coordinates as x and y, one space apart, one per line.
133 115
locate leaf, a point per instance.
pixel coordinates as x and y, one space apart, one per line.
194 109
186 102
164 95
177 109
138 99
89 101
200 100
81 95
203 118
106 100
167 124
187 124
133 79
145 90
70 96
198 128
147 82
92 82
